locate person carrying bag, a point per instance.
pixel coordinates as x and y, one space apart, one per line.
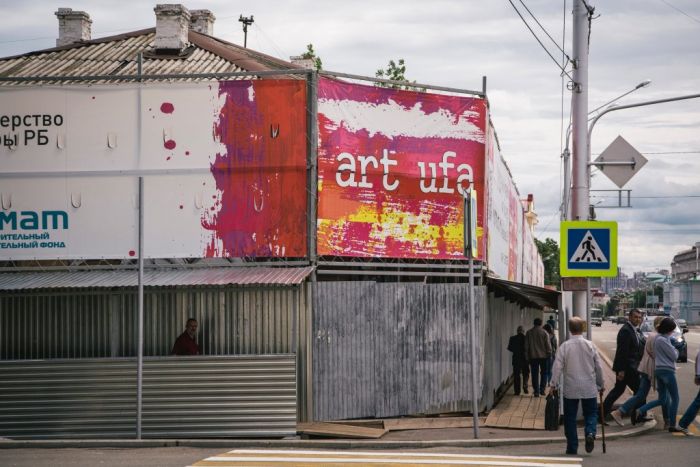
577 361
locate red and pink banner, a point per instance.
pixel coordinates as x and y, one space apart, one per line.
392 168
260 174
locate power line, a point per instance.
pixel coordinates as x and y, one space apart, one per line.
660 152
545 31
680 11
563 70
648 197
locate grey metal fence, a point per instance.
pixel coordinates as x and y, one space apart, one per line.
195 397
386 349
102 323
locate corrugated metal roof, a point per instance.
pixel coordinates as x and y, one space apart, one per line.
524 294
117 55
155 278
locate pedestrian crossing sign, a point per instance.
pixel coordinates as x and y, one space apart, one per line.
588 249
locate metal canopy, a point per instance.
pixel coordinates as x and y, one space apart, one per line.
523 294
154 278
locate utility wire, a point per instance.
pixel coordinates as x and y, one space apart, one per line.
680 11
545 31
658 153
648 197
563 70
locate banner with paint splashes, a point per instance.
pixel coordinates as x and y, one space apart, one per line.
392 165
223 164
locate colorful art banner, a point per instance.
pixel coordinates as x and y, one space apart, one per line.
223 166
260 172
392 167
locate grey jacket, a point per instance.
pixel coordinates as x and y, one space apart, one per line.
537 343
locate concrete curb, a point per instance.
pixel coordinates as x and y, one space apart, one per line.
303 443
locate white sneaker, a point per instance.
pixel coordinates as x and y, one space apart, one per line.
617 416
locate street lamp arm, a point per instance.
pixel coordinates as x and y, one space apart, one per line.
630 106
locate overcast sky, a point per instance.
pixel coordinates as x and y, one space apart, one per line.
455 43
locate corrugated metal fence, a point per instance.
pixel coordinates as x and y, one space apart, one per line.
387 349
501 322
195 397
69 351
101 323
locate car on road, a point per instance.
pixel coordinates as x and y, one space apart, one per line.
620 319
677 337
682 324
596 321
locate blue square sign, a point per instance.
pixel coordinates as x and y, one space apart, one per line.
588 249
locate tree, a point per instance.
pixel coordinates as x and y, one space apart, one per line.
549 250
396 72
310 54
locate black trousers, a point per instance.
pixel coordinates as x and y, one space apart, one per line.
630 380
538 367
521 373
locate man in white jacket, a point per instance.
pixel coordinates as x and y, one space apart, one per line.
578 362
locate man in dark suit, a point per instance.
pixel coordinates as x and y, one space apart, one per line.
516 344
630 345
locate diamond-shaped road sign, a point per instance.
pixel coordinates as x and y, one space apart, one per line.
620 151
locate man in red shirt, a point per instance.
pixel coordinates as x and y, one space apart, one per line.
186 344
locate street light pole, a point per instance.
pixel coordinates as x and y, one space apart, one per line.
579 119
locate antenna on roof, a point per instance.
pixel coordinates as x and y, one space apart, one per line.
246 22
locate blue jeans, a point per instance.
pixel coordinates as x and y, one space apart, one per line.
667 388
690 412
548 371
590 417
640 396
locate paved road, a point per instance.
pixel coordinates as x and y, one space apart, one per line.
654 449
605 338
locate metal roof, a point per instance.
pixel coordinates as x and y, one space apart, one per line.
154 278
118 56
523 294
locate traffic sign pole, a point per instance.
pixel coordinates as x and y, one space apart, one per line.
579 119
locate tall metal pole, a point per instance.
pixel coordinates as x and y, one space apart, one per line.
139 358
139 363
580 176
468 239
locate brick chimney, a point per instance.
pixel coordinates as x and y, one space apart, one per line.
73 26
202 21
172 25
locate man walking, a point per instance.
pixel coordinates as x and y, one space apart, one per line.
516 344
538 349
578 361
630 347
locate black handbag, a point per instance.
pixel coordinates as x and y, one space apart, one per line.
551 412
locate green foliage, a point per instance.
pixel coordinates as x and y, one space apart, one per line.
396 72
639 298
310 54
612 306
549 250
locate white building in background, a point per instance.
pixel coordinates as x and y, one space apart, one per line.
686 264
610 284
682 296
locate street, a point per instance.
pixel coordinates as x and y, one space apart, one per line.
651 449
605 338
